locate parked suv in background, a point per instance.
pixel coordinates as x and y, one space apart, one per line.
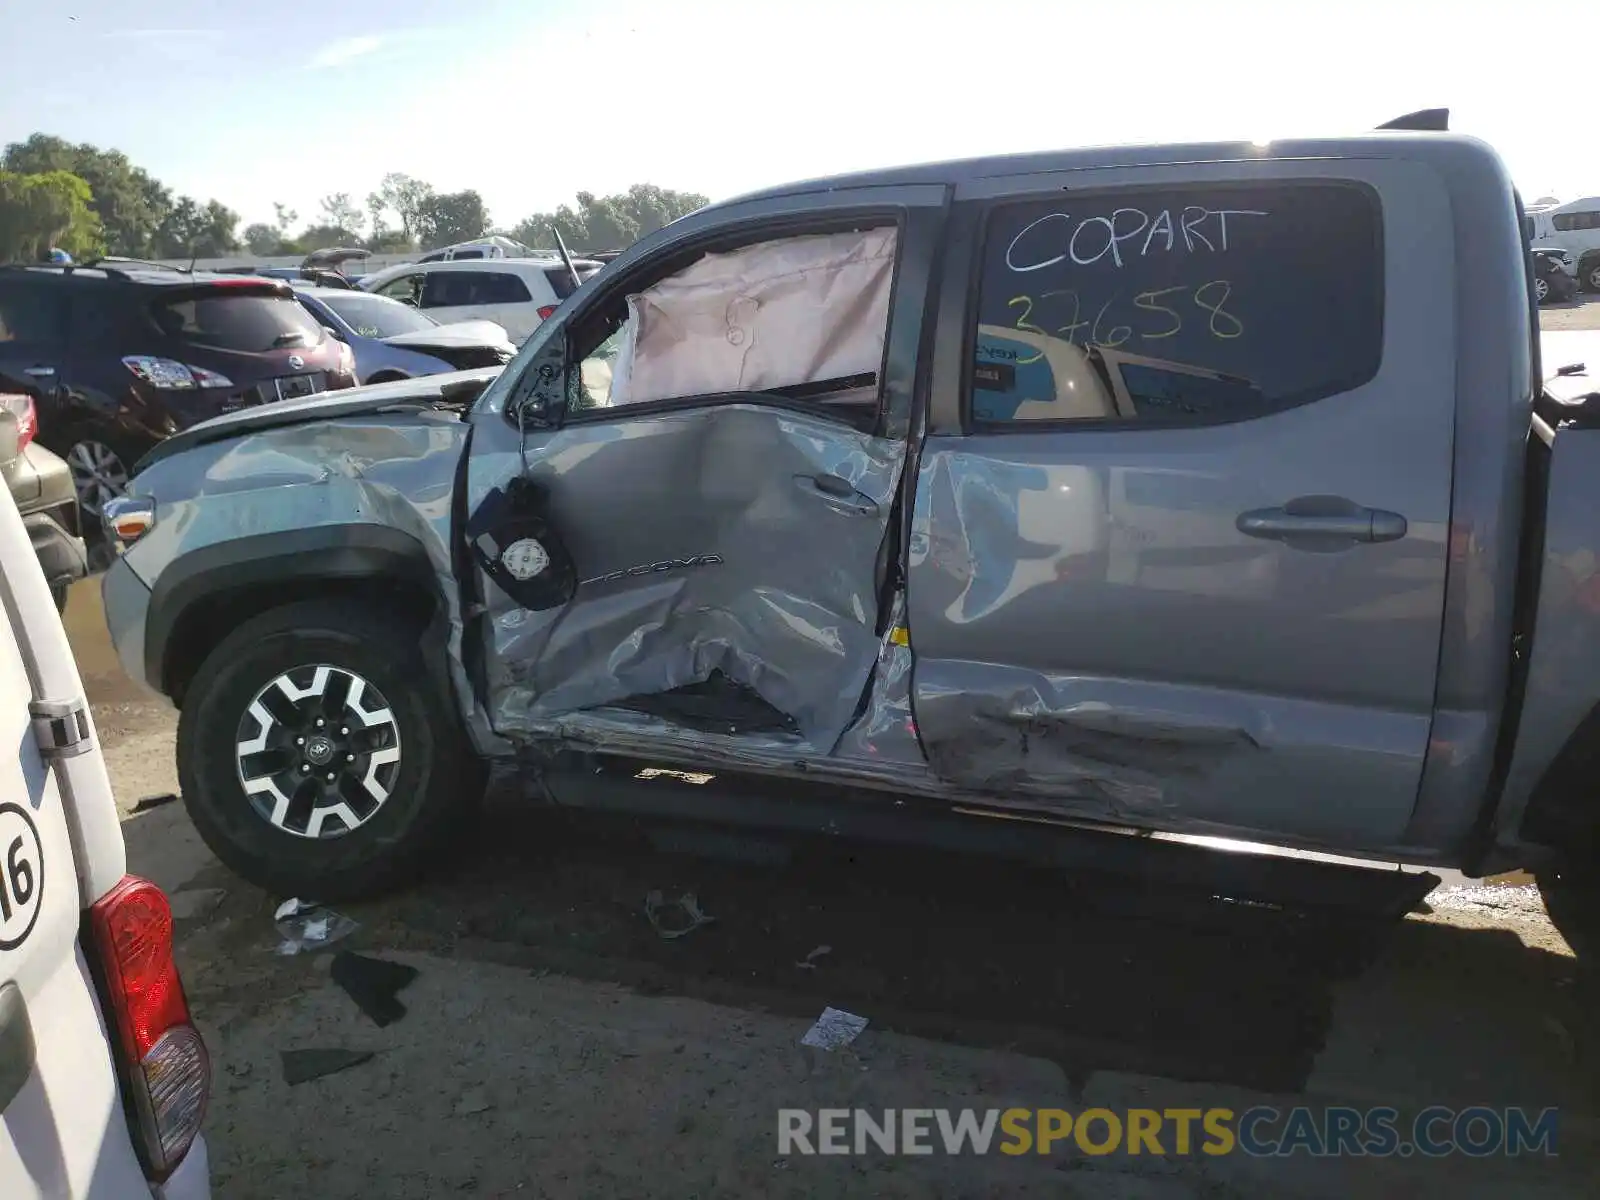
41 486
1553 282
517 293
116 358
1574 227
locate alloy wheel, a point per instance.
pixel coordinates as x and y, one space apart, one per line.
98 475
318 751
1541 289
1594 278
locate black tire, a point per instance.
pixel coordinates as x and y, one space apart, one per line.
1589 274
1572 898
385 377
439 780
126 453
58 593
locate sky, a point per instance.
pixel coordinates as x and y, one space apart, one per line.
531 101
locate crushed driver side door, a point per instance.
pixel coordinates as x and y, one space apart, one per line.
712 442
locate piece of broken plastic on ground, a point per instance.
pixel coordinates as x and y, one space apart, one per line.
302 1066
810 961
373 983
834 1029
674 918
307 926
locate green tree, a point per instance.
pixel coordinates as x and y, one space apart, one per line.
193 230
130 204
46 209
262 239
284 216
390 241
326 237
452 217
375 210
339 212
407 198
608 222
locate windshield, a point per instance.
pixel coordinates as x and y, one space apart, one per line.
232 320
377 316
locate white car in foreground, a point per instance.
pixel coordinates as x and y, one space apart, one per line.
516 293
103 1077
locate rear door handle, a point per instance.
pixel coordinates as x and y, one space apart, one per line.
17 1050
1322 523
837 493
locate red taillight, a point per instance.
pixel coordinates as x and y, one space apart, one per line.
546 309
165 1069
266 285
21 407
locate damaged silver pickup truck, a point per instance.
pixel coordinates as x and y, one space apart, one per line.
1203 489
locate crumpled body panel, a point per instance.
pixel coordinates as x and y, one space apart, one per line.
395 472
796 310
702 546
886 733
1062 607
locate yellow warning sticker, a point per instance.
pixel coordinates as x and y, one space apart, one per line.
900 636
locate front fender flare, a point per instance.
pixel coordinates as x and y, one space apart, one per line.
267 560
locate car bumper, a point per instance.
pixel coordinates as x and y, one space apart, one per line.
192 1179
126 600
60 552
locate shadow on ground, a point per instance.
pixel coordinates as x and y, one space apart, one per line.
1089 972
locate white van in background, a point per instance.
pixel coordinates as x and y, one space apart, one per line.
493 246
1575 228
103 1077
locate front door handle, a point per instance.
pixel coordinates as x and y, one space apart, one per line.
1322 523
40 372
837 493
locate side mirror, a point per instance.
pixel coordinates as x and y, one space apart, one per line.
10 436
1577 368
336 334
532 412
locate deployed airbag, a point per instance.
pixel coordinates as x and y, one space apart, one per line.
780 313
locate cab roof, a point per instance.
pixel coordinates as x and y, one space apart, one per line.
967 170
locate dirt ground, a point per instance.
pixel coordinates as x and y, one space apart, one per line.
1581 312
554 1045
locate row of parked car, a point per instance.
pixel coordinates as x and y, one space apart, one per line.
101 361
1565 240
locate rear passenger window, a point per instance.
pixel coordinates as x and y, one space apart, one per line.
31 316
561 279
450 289
500 289
1177 306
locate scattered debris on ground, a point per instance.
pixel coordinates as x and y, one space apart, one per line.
146 803
306 926
373 983
834 1030
655 907
302 1066
810 961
